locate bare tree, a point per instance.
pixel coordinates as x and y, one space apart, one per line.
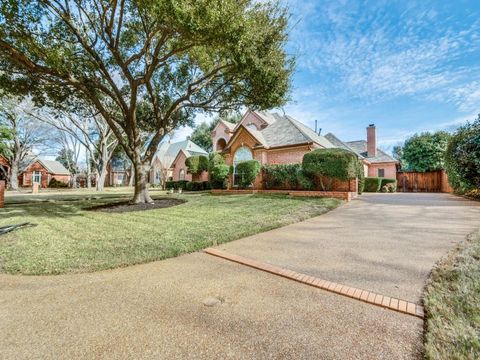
89 130
27 134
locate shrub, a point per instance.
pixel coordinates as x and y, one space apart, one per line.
247 171
332 164
286 176
388 185
473 194
360 171
197 164
181 184
54 183
462 158
189 186
372 184
217 170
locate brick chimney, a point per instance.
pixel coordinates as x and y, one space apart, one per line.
371 141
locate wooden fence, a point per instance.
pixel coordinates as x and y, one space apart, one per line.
431 181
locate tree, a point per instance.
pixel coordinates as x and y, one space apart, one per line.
462 158
88 129
425 151
201 134
397 153
146 65
197 164
24 134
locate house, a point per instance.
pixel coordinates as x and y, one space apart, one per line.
168 163
280 139
4 168
42 171
119 171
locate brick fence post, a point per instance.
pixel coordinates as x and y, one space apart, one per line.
2 193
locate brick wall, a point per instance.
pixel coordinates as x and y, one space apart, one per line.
179 165
390 170
26 178
2 193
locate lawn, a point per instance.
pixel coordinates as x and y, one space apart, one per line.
68 238
452 304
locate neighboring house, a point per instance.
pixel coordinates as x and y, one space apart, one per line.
377 162
4 168
168 164
118 171
280 139
42 172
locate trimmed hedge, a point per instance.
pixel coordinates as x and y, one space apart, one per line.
287 176
360 170
198 186
176 184
372 184
247 171
326 165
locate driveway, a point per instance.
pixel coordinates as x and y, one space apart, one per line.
384 243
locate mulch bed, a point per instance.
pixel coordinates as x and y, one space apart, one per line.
126 206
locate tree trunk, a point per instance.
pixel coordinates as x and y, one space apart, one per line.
100 183
14 176
132 175
89 174
141 194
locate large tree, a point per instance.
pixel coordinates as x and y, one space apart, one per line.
146 65
425 151
26 134
463 157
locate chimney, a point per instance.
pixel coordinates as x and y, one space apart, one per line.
371 141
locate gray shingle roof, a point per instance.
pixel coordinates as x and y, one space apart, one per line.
285 131
340 144
167 152
54 167
360 147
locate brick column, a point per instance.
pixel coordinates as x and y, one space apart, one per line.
2 193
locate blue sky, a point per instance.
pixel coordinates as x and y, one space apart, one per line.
406 66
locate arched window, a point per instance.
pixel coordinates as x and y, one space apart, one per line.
181 175
242 154
221 143
252 126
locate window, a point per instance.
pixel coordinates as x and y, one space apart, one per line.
37 177
120 177
252 126
381 172
242 154
157 177
181 175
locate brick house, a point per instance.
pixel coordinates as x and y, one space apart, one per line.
4 168
119 170
280 139
168 164
42 172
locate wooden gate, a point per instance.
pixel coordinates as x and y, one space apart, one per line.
431 181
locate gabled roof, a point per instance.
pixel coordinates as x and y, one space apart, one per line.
167 152
284 131
52 166
340 144
360 147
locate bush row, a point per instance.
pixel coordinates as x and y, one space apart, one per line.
376 184
54 183
194 185
288 176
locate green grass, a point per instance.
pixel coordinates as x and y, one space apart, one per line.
69 238
452 305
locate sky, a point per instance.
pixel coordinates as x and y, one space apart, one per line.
406 66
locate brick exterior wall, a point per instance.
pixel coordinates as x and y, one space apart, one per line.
178 165
26 178
221 132
251 118
2 193
390 170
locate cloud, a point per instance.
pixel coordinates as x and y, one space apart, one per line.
373 52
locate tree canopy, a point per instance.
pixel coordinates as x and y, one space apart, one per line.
146 65
425 151
463 157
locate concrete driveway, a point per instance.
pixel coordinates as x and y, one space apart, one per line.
385 243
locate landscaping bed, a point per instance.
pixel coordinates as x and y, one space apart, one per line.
69 238
452 304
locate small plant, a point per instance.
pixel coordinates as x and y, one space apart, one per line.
56 184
